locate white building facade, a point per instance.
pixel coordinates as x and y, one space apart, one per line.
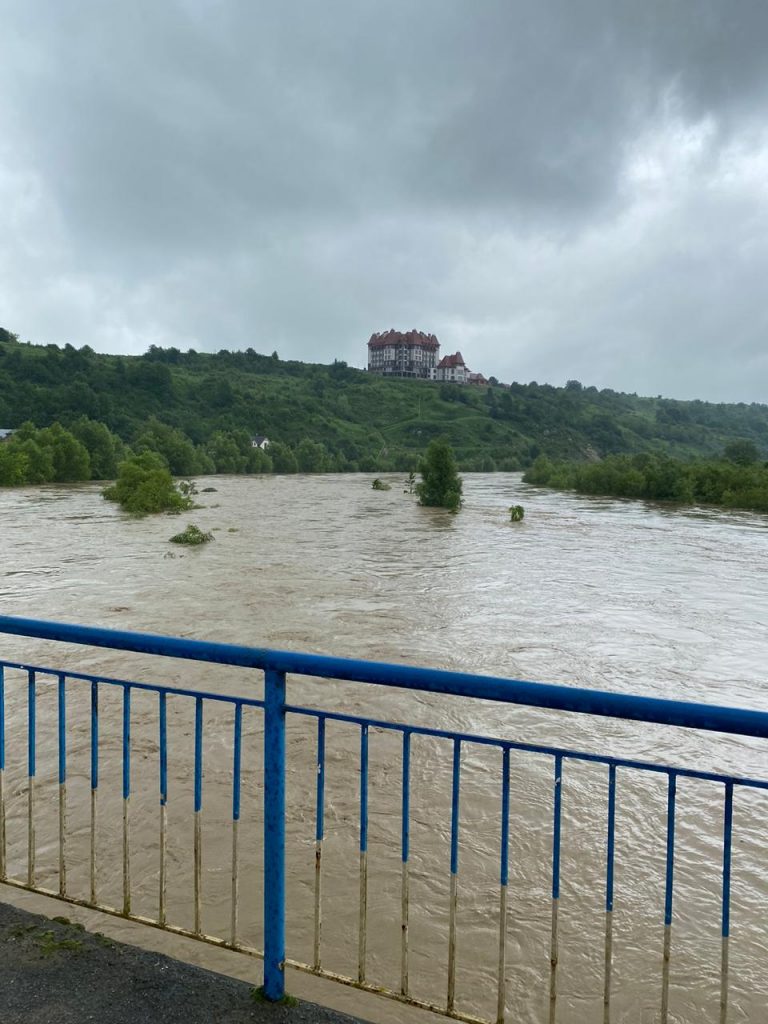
452 369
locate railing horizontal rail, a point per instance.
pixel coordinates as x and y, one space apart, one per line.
528 748
225 698
710 717
402 727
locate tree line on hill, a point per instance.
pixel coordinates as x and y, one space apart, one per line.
199 411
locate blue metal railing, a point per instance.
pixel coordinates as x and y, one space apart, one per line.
276 666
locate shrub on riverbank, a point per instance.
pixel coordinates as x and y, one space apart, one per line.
144 485
658 478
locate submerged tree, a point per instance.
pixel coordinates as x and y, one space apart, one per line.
144 484
193 535
440 485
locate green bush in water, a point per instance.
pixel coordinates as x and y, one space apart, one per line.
192 535
379 485
144 485
516 513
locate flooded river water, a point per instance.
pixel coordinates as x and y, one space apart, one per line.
591 592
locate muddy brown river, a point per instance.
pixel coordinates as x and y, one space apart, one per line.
591 592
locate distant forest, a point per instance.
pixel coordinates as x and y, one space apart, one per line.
199 411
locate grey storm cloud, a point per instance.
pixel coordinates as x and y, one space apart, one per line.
558 189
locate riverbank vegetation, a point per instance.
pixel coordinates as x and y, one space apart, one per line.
199 411
56 455
736 480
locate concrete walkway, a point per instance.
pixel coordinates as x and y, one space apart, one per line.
54 972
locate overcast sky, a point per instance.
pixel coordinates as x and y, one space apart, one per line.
558 188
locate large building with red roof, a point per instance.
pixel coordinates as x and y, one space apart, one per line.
416 354
403 354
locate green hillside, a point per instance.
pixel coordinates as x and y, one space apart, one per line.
361 421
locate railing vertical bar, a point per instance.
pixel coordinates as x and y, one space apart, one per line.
163 745
319 836
501 1004
556 828
274 835
62 729
94 783
609 869
405 841
198 804
31 769
3 870
726 915
126 799
237 740
362 933
668 893
451 998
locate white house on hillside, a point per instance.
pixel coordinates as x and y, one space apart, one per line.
259 442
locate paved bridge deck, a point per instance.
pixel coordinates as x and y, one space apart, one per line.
55 972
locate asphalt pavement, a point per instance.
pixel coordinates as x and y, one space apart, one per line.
55 972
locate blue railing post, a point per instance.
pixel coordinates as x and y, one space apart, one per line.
274 834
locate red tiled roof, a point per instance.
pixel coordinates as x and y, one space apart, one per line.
448 361
409 338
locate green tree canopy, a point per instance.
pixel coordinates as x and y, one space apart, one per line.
440 482
175 447
659 478
311 456
259 461
225 452
14 467
742 452
104 448
69 457
144 485
283 459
